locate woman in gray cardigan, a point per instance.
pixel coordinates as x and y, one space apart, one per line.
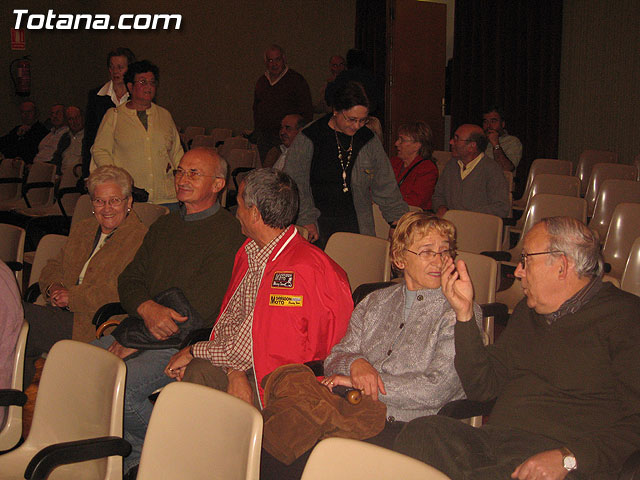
399 346
340 169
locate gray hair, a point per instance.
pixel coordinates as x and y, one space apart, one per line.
110 174
274 194
577 242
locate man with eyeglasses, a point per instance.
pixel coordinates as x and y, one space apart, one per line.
192 249
289 128
279 92
472 182
564 373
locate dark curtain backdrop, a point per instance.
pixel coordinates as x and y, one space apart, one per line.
507 52
371 38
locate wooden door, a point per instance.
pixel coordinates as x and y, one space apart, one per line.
416 52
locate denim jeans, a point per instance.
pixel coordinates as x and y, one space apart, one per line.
145 374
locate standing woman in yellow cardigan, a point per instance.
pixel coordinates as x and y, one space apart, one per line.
141 137
84 274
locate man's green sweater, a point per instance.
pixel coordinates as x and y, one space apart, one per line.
194 255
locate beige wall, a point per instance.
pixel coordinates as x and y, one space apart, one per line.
208 68
600 76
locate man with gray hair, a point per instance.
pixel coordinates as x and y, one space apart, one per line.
564 373
287 301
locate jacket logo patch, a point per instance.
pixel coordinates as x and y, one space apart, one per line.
282 280
277 300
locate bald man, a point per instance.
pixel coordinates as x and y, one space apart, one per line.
471 181
192 249
68 153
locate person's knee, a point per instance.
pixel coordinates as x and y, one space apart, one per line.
421 431
202 372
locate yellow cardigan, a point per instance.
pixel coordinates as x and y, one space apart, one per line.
100 284
148 155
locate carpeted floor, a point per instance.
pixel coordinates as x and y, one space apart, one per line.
31 391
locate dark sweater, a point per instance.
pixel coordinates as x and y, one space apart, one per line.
195 256
576 381
25 146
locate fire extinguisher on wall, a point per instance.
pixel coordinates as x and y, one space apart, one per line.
21 75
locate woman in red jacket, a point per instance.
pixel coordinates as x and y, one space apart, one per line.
414 168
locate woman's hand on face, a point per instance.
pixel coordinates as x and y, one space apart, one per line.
366 378
59 296
334 380
457 288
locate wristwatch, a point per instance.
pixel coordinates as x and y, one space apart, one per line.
497 147
568 459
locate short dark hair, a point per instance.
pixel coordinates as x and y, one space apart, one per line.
274 194
419 132
143 66
299 119
349 95
121 52
480 140
494 108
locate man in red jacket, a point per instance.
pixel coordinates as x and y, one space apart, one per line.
287 302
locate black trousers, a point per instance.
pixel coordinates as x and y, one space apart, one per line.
466 453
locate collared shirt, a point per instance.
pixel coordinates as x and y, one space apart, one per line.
273 82
49 144
282 159
577 301
231 346
108 91
467 169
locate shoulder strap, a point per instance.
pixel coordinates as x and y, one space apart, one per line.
404 177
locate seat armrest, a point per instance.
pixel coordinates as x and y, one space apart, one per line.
9 396
14 266
366 288
500 256
47 459
107 311
32 293
499 312
460 409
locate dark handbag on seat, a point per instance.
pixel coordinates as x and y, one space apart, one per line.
133 333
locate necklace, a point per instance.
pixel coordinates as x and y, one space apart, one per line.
344 166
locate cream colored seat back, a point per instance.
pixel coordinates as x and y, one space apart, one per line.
542 165
347 459
476 232
11 168
364 258
11 431
380 224
48 247
623 230
610 194
80 396
586 161
606 171
441 158
631 277
83 209
199 433
148 212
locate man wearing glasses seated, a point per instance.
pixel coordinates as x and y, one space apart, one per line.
471 181
191 249
564 373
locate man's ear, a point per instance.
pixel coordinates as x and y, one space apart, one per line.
218 184
563 267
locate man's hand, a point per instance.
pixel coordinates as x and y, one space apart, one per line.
457 288
313 232
239 386
121 351
178 363
545 465
159 320
493 137
441 211
366 378
59 295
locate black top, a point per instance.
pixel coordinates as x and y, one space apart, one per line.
97 106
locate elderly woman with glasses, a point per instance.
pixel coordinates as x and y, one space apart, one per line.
414 167
83 276
141 137
399 346
340 169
